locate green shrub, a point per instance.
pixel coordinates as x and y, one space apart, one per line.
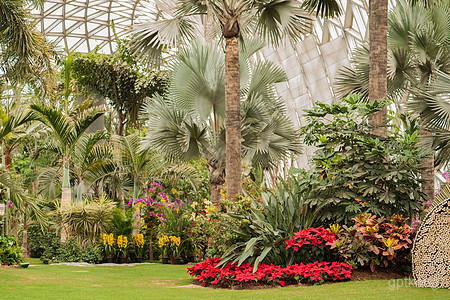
355 171
71 251
10 252
39 240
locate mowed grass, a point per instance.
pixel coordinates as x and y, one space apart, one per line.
158 281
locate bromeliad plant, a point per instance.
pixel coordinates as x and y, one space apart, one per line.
373 242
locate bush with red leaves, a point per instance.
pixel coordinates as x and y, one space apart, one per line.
313 244
232 274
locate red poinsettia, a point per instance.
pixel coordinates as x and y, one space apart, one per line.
311 236
231 274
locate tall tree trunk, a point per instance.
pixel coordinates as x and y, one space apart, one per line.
233 118
137 220
121 124
216 180
378 24
66 198
25 248
427 170
7 158
7 164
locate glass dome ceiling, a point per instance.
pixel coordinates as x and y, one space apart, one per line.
311 65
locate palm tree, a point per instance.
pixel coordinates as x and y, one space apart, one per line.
26 55
434 109
272 20
68 129
131 169
12 129
419 39
28 205
89 153
190 123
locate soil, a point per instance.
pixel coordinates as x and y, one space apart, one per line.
8 267
362 275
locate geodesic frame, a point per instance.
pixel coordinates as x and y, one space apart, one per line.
311 65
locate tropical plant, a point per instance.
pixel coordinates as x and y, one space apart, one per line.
356 171
87 220
89 154
418 47
26 56
29 206
68 128
190 122
115 77
10 252
122 222
71 251
375 242
231 20
131 169
271 221
434 110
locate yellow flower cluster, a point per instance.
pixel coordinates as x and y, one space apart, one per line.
108 239
105 239
139 240
176 240
122 241
163 241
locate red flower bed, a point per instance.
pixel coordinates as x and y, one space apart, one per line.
232 274
310 236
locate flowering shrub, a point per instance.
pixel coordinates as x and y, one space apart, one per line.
210 228
373 241
312 244
231 274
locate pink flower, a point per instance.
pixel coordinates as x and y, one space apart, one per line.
129 202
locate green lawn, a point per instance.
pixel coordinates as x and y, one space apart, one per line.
172 282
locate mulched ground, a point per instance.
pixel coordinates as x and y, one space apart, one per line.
362 275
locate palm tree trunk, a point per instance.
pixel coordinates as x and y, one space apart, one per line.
137 220
66 197
80 189
427 170
378 23
233 118
216 180
121 124
25 248
7 158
